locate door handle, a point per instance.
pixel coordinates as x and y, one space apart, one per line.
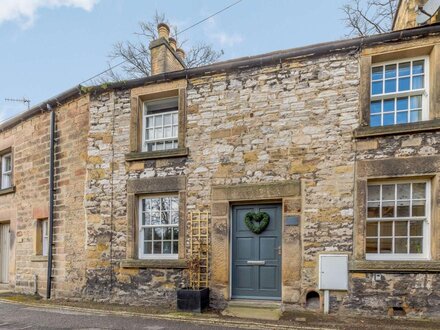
256 262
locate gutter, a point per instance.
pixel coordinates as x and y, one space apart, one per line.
51 199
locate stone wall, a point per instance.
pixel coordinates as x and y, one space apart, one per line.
30 143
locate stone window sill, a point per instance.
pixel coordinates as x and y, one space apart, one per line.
135 156
370 266
6 191
39 258
157 264
423 126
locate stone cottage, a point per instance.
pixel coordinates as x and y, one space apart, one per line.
337 144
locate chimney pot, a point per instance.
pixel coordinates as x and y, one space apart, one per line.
164 30
173 43
181 53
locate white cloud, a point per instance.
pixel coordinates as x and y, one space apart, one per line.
24 11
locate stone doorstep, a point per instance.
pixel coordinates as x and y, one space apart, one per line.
254 309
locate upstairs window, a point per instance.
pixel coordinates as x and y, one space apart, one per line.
161 123
398 221
399 92
6 171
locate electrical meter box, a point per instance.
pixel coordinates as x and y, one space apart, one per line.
333 272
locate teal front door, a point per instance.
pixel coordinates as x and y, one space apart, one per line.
256 258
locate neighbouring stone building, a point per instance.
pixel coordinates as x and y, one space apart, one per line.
337 143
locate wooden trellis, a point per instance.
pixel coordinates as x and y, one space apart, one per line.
199 249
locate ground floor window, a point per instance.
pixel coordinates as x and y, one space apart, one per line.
159 227
398 220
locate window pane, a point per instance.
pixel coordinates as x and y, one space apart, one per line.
404 191
157 234
377 73
371 245
176 233
416 116
404 69
388 105
165 203
374 193
155 204
402 117
419 190
390 86
416 102
401 228
155 218
165 220
167 247
376 107
148 234
158 133
150 122
390 71
418 67
146 204
386 228
386 245
402 103
158 121
418 209
416 245
404 84
376 88
388 209
174 204
375 121
373 210
157 247
175 247
174 217
416 228
388 119
145 219
371 229
167 119
388 192
401 245
147 247
168 132
403 208
418 82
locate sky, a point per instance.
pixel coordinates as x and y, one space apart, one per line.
49 46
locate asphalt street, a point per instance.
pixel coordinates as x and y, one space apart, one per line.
16 316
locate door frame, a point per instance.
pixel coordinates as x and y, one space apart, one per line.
230 238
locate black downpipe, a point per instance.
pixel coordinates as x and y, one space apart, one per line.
51 199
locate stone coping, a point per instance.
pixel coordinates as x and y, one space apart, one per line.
147 155
6 191
152 263
394 266
422 126
39 258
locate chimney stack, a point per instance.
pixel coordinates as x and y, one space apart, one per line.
164 55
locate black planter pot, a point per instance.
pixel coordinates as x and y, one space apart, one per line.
189 300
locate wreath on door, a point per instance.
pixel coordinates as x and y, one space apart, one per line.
257 222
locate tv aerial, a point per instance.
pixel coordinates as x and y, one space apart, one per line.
426 11
22 100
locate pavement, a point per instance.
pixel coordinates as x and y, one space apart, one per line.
29 312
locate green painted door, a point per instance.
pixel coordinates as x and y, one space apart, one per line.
256 258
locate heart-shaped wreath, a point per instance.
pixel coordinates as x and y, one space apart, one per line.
257 222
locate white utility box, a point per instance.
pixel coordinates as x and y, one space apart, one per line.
333 272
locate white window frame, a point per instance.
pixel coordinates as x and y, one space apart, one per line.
44 237
426 255
174 139
141 227
6 173
424 92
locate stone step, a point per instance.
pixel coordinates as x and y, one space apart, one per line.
254 309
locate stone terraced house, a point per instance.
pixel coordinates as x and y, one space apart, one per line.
338 143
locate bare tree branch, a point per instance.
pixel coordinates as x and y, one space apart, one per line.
136 54
366 17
